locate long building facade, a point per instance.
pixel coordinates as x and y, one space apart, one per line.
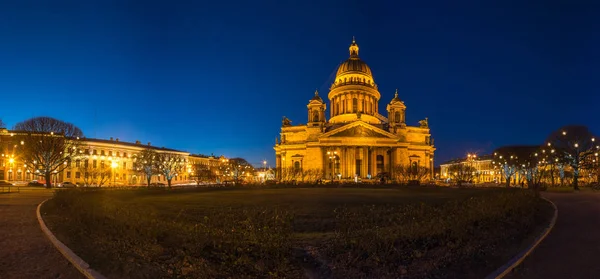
112 155
356 140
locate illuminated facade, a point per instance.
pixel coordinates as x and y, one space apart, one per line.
356 141
113 155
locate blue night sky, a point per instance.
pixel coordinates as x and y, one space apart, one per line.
217 76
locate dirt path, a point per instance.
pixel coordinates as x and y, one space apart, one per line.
572 249
25 252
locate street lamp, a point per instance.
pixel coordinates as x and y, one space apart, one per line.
332 156
113 166
265 171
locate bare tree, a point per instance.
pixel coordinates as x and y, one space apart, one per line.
95 175
239 167
516 159
170 165
2 124
575 145
405 173
461 173
402 173
48 144
144 163
202 172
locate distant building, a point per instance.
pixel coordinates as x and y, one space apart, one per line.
484 169
356 140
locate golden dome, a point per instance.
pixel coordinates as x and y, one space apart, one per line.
354 65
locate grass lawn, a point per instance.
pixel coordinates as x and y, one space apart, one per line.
295 232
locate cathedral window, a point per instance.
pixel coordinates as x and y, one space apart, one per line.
315 116
337 108
297 165
397 117
354 105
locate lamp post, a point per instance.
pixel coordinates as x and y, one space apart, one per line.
331 156
265 171
12 163
113 166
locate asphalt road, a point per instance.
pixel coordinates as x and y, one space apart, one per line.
25 252
572 249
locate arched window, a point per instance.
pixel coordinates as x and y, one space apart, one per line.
414 168
315 116
354 105
297 165
337 108
397 117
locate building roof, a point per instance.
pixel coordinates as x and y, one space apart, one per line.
124 143
460 160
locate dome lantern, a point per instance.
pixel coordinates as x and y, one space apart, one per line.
353 49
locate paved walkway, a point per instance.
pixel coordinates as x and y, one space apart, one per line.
25 252
572 249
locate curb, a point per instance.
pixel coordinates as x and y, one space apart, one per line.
515 261
79 263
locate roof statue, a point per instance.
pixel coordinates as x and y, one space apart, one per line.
424 123
286 122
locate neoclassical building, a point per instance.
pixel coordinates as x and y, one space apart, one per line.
97 154
356 140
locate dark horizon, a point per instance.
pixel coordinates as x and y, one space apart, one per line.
215 78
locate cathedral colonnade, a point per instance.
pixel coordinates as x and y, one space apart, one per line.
362 161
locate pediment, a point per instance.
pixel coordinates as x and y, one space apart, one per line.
361 130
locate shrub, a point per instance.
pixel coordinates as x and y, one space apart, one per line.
427 241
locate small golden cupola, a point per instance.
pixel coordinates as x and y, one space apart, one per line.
396 112
316 110
353 94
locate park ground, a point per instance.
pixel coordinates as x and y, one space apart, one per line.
296 232
25 252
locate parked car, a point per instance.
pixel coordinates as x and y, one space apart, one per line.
5 183
67 184
35 183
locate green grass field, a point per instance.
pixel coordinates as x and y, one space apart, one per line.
288 233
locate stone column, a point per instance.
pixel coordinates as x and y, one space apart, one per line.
360 102
370 161
365 161
392 153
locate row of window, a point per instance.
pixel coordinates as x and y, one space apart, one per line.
104 153
118 176
94 164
